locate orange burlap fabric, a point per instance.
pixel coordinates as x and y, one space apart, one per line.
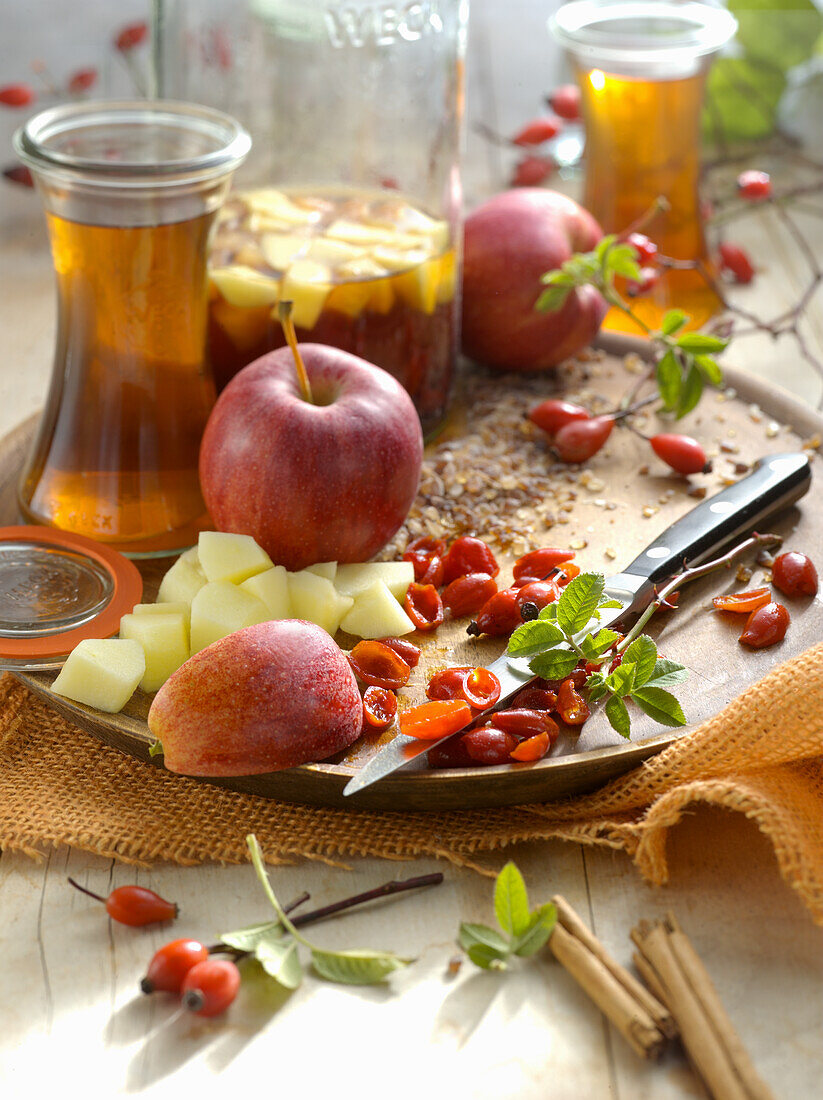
761 755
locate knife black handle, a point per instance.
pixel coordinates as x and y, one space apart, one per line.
775 482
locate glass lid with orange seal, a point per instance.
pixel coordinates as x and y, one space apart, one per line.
56 589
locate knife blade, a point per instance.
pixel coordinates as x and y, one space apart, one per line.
774 483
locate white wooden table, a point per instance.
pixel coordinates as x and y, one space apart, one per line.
71 1015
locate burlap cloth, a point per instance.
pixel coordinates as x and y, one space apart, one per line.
762 755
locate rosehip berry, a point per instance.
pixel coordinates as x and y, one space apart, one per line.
648 280
553 415
754 185
130 36
765 626
565 102
18 173
580 440
403 648
210 987
531 171
537 131
646 250
681 452
499 616
170 964
468 555
538 564
466 595
489 745
16 95
82 80
379 708
794 574
133 905
736 261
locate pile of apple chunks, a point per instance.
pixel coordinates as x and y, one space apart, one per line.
223 584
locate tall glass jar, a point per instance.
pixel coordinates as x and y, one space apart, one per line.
351 204
131 191
641 66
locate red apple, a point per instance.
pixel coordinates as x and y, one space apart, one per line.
267 697
510 241
325 481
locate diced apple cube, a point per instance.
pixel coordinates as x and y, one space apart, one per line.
316 599
351 580
182 582
376 614
228 557
165 642
419 285
393 259
307 284
244 287
272 589
368 235
280 249
332 253
192 555
102 673
274 204
349 298
164 609
220 608
363 268
325 569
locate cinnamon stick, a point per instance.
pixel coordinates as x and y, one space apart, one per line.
608 984
677 973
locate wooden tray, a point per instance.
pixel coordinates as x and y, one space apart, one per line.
617 515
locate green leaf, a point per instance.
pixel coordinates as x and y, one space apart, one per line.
660 705
673 322
549 613
622 260
780 32
742 95
557 664
536 934
667 673
643 654
603 245
621 680
511 901
557 278
579 601
247 939
360 967
618 716
487 957
471 934
596 687
608 603
552 299
596 646
701 341
669 380
691 393
709 369
280 960
534 637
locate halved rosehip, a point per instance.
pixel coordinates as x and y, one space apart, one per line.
447 683
481 688
571 706
405 649
743 602
533 748
534 698
431 721
378 665
424 606
489 745
526 723
379 707
794 574
765 626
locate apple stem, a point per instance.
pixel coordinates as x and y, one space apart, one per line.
284 309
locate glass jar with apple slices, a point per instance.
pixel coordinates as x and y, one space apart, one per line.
370 273
350 205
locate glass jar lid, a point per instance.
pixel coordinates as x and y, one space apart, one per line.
56 589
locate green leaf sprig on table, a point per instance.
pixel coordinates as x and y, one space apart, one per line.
523 931
554 648
685 360
275 945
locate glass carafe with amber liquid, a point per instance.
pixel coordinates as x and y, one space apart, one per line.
131 192
641 66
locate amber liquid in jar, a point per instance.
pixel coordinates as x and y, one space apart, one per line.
367 272
117 451
643 141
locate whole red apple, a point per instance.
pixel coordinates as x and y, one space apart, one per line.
510 241
330 480
267 697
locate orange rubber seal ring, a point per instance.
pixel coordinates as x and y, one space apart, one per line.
127 591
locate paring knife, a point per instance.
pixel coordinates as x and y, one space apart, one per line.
774 483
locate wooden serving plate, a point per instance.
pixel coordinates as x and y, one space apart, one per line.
617 511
